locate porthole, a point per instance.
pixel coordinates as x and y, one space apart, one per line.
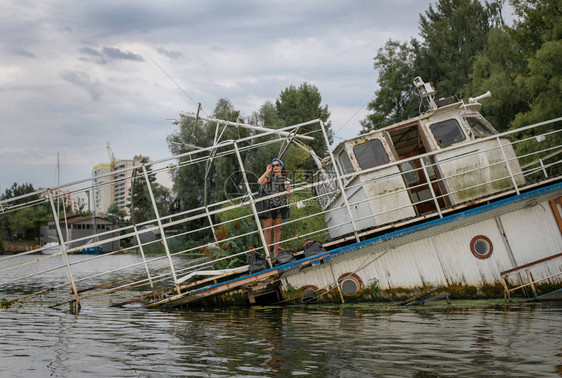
309 294
350 284
481 247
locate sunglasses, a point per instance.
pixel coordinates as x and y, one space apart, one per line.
276 165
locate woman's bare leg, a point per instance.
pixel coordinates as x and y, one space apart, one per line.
276 234
267 222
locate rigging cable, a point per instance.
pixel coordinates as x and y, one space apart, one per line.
354 114
177 85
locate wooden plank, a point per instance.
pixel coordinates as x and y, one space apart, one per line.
191 297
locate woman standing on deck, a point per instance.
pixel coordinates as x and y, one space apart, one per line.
275 209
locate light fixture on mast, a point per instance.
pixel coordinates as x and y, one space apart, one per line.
426 90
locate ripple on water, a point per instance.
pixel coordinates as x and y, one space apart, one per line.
467 339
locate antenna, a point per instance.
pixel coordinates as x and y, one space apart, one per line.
426 90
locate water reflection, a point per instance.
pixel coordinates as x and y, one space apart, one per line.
461 339
318 341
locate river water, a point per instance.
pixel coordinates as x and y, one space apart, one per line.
465 338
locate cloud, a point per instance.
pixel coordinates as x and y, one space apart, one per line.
113 53
82 80
118 71
169 54
10 74
23 52
106 55
94 55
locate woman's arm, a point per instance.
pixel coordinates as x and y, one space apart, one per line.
264 179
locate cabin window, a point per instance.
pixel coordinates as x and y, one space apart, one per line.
370 154
345 163
479 128
447 132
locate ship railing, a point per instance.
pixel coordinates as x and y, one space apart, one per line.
169 269
434 198
164 224
507 162
530 280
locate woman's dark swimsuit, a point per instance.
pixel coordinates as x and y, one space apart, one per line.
275 207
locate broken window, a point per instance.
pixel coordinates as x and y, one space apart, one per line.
447 132
370 154
345 163
479 127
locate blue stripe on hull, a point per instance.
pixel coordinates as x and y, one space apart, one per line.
451 218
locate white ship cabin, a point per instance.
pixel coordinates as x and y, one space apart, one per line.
443 158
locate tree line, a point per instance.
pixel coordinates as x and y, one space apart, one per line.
465 49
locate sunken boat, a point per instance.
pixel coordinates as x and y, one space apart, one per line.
434 206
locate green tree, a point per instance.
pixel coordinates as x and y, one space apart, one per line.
17 190
496 69
297 105
453 34
266 116
22 223
257 160
200 183
539 34
543 85
115 213
141 207
203 178
397 98
538 22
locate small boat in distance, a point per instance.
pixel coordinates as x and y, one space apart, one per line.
51 248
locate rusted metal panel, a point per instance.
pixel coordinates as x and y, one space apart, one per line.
481 172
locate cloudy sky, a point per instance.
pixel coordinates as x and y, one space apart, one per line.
77 74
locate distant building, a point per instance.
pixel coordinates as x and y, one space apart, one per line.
122 191
85 229
115 188
103 187
65 198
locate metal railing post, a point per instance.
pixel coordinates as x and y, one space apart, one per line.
339 180
211 223
531 283
162 234
543 168
431 189
508 166
142 254
253 203
62 244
